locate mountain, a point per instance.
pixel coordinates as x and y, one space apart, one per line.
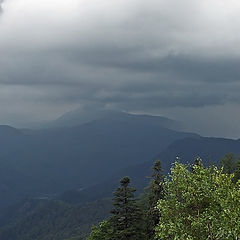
50 161
72 213
140 175
211 150
68 217
81 116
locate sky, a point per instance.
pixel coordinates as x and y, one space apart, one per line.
174 58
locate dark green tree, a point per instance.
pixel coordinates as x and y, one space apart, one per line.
155 192
228 163
237 172
126 217
103 231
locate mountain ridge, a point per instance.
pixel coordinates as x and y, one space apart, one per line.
80 116
55 160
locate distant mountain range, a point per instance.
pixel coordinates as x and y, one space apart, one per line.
72 213
210 150
53 160
67 167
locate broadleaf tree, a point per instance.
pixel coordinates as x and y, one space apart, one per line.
200 204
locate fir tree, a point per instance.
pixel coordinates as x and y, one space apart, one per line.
155 193
127 217
228 163
237 172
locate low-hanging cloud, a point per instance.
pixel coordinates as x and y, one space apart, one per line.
125 54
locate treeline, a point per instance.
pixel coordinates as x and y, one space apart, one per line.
193 202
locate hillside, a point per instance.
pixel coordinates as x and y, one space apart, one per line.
51 161
53 220
211 150
68 214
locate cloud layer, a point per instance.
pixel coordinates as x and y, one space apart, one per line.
1 2
149 56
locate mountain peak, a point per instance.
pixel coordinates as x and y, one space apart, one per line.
81 116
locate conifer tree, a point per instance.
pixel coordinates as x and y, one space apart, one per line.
127 218
155 193
237 172
228 163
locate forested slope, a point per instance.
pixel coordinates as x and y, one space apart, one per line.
54 220
54 160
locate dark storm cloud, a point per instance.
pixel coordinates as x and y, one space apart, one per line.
136 84
188 68
169 82
192 68
136 56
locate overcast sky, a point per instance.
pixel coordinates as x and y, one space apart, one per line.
175 58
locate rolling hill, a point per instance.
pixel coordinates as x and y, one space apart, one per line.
210 150
50 161
53 220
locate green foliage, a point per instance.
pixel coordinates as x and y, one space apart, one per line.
126 216
126 220
104 231
156 185
237 172
198 205
193 203
154 193
228 163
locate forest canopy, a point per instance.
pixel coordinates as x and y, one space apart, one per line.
193 202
